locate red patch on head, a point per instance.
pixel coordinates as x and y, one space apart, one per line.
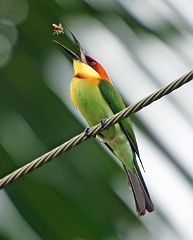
97 67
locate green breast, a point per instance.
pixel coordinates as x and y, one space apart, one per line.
86 96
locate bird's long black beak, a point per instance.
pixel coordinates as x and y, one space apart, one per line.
70 53
73 55
82 54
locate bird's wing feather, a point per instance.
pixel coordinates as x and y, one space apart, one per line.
141 195
116 103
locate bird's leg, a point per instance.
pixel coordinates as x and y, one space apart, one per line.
86 132
103 123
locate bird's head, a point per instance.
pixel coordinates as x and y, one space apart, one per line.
85 66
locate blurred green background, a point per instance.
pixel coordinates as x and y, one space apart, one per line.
83 194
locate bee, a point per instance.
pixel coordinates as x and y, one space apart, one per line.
58 29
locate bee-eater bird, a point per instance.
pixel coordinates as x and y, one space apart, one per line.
93 93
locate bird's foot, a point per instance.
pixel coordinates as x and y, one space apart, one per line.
103 123
86 132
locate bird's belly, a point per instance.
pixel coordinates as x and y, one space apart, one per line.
119 145
87 97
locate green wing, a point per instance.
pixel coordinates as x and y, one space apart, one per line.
116 103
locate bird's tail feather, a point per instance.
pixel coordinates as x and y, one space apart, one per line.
142 198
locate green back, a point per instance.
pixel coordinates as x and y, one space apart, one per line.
116 103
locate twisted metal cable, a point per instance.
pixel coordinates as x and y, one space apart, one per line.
94 130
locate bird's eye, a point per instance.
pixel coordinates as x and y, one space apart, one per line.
92 64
